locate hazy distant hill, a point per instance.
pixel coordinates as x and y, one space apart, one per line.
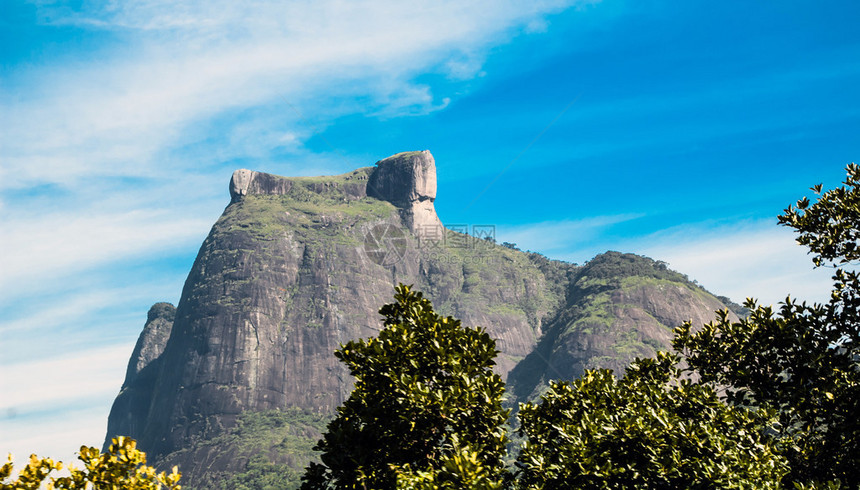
239 380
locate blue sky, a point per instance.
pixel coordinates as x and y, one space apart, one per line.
677 130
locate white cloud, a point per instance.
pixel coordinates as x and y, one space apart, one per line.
79 302
46 382
66 310
215 56
757 260
57 435
63 243
557 238
59 403
537 25
97 121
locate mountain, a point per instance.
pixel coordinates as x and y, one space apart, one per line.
618 307
236 383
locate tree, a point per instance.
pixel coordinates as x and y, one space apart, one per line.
122 467
774 402
461 469
646 430
803 361
426 408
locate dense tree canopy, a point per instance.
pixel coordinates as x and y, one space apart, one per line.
426 407
829 227
790 377
645 430
772 401
802 360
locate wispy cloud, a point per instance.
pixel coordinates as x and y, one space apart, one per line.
170 103
72 378
122 154
558 238
59 403
747 259
54 246
60 433
757 259
187 64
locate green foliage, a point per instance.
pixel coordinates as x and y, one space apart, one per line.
616 266
122 467
320 205
461 469
276 444
425 403
788 361
262 474
829 227
802 361
646 430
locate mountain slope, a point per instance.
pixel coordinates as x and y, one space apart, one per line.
296 266
619 307
289 272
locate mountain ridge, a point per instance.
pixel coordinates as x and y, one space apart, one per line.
295 266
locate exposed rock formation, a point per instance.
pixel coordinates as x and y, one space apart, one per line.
247 182
285 277
131 407
150 344
408 180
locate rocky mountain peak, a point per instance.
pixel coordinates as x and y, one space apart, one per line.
408 180
346 187
288 273
248 182
151 342
404 178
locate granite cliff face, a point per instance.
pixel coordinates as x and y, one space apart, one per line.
408 180
130 408
296 266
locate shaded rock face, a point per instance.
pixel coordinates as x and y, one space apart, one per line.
150 344
131 407
404 178
284 277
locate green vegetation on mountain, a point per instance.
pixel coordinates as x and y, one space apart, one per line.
618 307
311 205
284 279
487 284
786 419
270 448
